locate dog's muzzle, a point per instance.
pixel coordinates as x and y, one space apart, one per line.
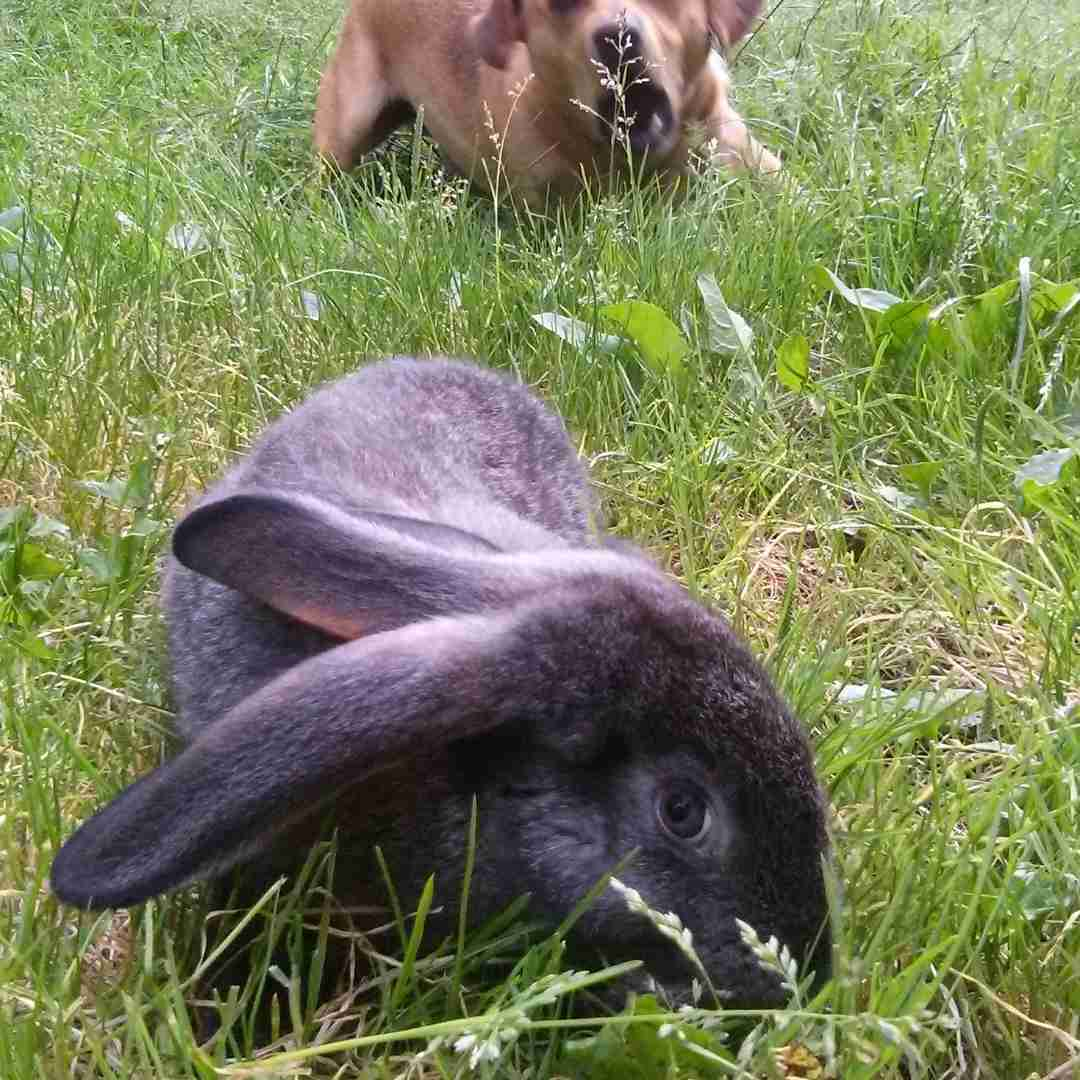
636 107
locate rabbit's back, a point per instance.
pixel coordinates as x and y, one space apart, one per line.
436 440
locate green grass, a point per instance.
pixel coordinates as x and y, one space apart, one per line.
935 146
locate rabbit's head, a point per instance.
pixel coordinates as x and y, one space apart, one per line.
592 707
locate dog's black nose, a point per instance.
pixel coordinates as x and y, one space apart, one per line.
618 45
632 106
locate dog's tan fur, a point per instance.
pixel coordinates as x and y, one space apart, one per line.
509 88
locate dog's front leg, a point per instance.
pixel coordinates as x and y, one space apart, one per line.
733 145
356 107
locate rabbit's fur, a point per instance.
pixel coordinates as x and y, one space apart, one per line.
396 601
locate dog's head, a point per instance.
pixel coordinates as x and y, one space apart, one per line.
629 65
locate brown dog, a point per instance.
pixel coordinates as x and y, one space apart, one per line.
539 95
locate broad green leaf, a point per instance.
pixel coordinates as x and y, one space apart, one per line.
922 474
1043 469
28 642
639 1051
1068 424
112 491
1036 891
133 491
1056 305
716 452
793 362
15 264
1061 320
11 221
867 299
12 516
744 382
728 330
987 315
188 237
941 338
47 526
37 565
661 345
21 240
575 332
36 591
140 485
998 296
1057 418
896 498
1049 299
904 320
144 525
100 566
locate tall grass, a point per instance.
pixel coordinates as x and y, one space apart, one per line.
865 526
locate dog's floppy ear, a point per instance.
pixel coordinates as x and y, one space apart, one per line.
731 20
497 29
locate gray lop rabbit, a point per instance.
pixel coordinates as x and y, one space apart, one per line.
396 602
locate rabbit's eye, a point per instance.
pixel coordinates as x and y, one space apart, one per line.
684 813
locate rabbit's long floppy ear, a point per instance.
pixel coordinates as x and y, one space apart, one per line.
348 574
280 754
356 574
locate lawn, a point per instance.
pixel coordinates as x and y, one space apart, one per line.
872 466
